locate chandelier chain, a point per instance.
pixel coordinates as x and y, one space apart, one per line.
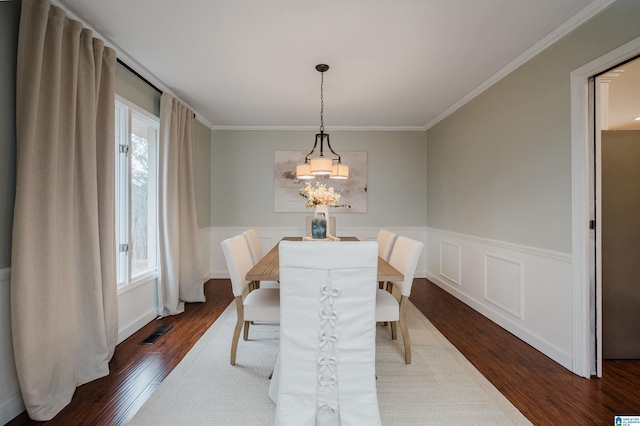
321 102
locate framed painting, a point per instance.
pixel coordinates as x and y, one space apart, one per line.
286 188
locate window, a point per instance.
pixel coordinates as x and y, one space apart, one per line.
136 192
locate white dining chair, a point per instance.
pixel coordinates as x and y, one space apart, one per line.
252 304
325 373
255 248
385 241
391 302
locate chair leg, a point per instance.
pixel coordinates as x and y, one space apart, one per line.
381 285
246 330
253 285
394 330
405 330
236 331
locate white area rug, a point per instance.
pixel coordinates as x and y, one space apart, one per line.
440 387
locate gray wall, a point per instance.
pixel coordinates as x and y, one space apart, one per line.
242 176
500 167
9 20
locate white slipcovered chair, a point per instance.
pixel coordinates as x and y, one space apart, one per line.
260 304
325 373
385 240
391 303
253 241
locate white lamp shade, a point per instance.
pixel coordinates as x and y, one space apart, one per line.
321 166
303 171
339 171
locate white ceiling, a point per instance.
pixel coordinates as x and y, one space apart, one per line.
623 103
394 63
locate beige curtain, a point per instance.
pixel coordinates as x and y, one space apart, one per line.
63 283
180 271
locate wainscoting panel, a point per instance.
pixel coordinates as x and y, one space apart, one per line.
525 290
503 280
450 261
10 397
137 306
269 237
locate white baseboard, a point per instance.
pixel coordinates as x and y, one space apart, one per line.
525 290
144 319
561 357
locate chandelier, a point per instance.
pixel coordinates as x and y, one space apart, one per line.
321 165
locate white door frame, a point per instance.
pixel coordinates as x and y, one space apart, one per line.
582 205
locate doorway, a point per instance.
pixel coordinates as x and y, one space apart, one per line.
617 202
587 337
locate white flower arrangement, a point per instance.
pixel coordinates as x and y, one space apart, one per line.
320 195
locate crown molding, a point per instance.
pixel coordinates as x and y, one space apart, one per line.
571 24
328 129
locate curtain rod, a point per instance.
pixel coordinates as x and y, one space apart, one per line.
137 74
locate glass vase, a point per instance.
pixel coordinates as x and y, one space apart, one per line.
319 222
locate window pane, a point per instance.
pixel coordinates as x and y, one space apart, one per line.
143 255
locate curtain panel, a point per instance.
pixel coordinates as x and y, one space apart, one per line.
180 271
63 270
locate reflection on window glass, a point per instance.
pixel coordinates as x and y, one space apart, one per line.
143 248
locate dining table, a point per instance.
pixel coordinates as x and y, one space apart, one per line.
268 268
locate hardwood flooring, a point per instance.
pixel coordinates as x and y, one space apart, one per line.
545 392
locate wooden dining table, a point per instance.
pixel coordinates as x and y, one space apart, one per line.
268 268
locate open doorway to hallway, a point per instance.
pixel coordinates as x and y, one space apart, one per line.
617 206
587 337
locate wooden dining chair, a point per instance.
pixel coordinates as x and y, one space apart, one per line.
252 304
391 302
255 248
325 373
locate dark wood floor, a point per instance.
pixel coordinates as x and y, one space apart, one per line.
545 392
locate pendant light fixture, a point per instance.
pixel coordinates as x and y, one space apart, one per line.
321 165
